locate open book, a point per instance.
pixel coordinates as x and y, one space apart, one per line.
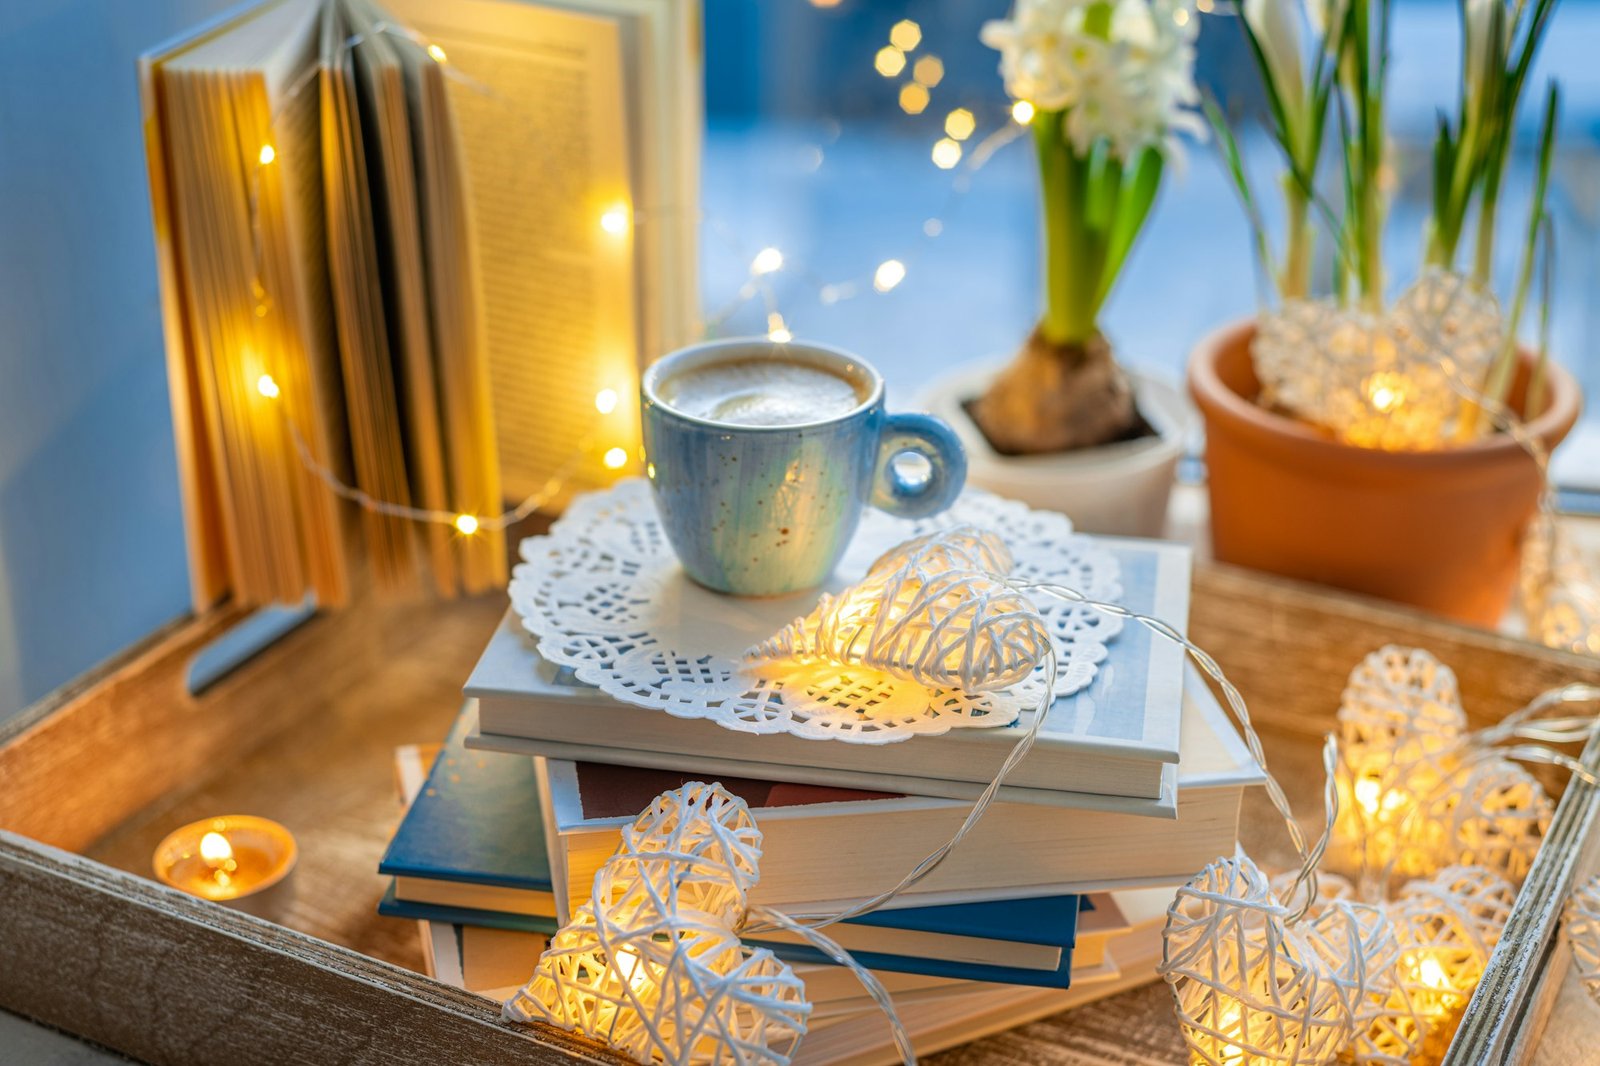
399 265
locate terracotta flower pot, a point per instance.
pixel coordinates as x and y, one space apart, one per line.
1441 530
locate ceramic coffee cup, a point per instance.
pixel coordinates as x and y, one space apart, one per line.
762 510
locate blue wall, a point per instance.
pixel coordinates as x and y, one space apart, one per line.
91 532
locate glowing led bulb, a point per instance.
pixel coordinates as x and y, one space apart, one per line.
960 124
1368 793
777 331
615 459
929 71
436 53
889 61
615 221
266 155
766 261
946 153
905 35
630 967
605 401
913 98
466 524
267 387
1022 112
890 273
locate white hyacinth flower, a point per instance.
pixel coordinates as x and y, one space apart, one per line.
1275 24
1128 81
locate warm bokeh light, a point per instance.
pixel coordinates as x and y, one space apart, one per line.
905 35
466 524
946 153
615 220
436 53
777 330
267 387
615 459
766 261
960 123
929 71
1181 16
889 61
605 401
1022 112
890 273
267 154
913 98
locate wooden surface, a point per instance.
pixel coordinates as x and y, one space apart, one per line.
329 775
167 978
304 733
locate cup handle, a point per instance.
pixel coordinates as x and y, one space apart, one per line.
936 442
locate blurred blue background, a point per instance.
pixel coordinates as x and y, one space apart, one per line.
808 149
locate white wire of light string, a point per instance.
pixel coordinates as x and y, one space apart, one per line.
758 285
1309 853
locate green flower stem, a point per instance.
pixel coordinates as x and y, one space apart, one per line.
1069 283
1295 280
1483 259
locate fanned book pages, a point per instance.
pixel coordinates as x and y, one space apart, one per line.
399 259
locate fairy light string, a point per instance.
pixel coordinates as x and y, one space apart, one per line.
923 74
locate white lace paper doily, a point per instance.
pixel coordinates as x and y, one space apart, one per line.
605 595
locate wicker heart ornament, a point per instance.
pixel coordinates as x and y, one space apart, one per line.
1385 381
935 610
1251 985
652 964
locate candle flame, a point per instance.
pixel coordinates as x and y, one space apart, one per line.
215 849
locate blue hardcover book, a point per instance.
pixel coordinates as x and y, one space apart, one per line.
471 850
473 838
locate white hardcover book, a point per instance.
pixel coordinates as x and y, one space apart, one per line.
1111 746
825 848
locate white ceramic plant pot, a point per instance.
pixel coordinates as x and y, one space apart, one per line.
1120 489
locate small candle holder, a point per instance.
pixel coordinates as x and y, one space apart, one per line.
237 860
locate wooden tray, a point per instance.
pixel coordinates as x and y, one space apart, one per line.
304 733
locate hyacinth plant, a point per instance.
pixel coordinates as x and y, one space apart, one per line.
1111 85
1324 68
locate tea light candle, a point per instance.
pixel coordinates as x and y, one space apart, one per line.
237 860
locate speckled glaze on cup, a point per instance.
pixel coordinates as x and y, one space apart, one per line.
767 510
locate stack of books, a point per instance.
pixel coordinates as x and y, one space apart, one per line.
1056 898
